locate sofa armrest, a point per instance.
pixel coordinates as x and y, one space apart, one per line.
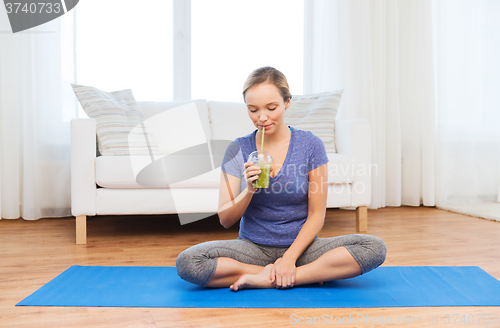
83 155
353 138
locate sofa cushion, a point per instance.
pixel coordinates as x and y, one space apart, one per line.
315 113
121 171
118 121
229 120
177 125
158 201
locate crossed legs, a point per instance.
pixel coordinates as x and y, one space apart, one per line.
242 264
335 264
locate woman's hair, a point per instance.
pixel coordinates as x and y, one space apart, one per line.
268 74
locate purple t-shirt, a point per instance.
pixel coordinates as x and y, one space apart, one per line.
275 215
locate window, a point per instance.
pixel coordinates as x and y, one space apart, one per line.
126 45
232 38
130 45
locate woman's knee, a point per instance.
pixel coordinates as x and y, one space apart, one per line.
194 266
369 251
183 264
379 249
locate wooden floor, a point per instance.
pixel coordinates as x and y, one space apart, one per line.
34 252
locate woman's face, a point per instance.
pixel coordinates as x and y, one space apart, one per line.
266 107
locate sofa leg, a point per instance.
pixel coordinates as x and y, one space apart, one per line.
81 229
362 219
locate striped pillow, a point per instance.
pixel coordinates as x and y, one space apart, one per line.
120 128
316 113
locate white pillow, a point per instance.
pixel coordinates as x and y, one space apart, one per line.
315 113
168 130
119 123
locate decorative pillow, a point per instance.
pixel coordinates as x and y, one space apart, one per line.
316 113
120 128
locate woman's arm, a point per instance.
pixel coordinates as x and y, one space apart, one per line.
318 189
231 208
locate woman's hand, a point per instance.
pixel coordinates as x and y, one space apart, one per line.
251 174
283 273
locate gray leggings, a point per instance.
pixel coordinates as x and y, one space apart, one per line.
197 264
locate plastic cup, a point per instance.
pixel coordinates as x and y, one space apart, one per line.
264 161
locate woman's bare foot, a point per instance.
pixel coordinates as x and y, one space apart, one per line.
259 280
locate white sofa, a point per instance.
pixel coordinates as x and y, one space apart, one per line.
106 185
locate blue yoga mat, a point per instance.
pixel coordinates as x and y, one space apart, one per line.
161 287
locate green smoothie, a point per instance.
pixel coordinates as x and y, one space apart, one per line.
265 173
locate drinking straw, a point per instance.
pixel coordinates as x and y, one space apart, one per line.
262 142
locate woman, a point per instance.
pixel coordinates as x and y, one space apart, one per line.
278 245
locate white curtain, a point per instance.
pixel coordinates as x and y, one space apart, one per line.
425 74
36 105
468 85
